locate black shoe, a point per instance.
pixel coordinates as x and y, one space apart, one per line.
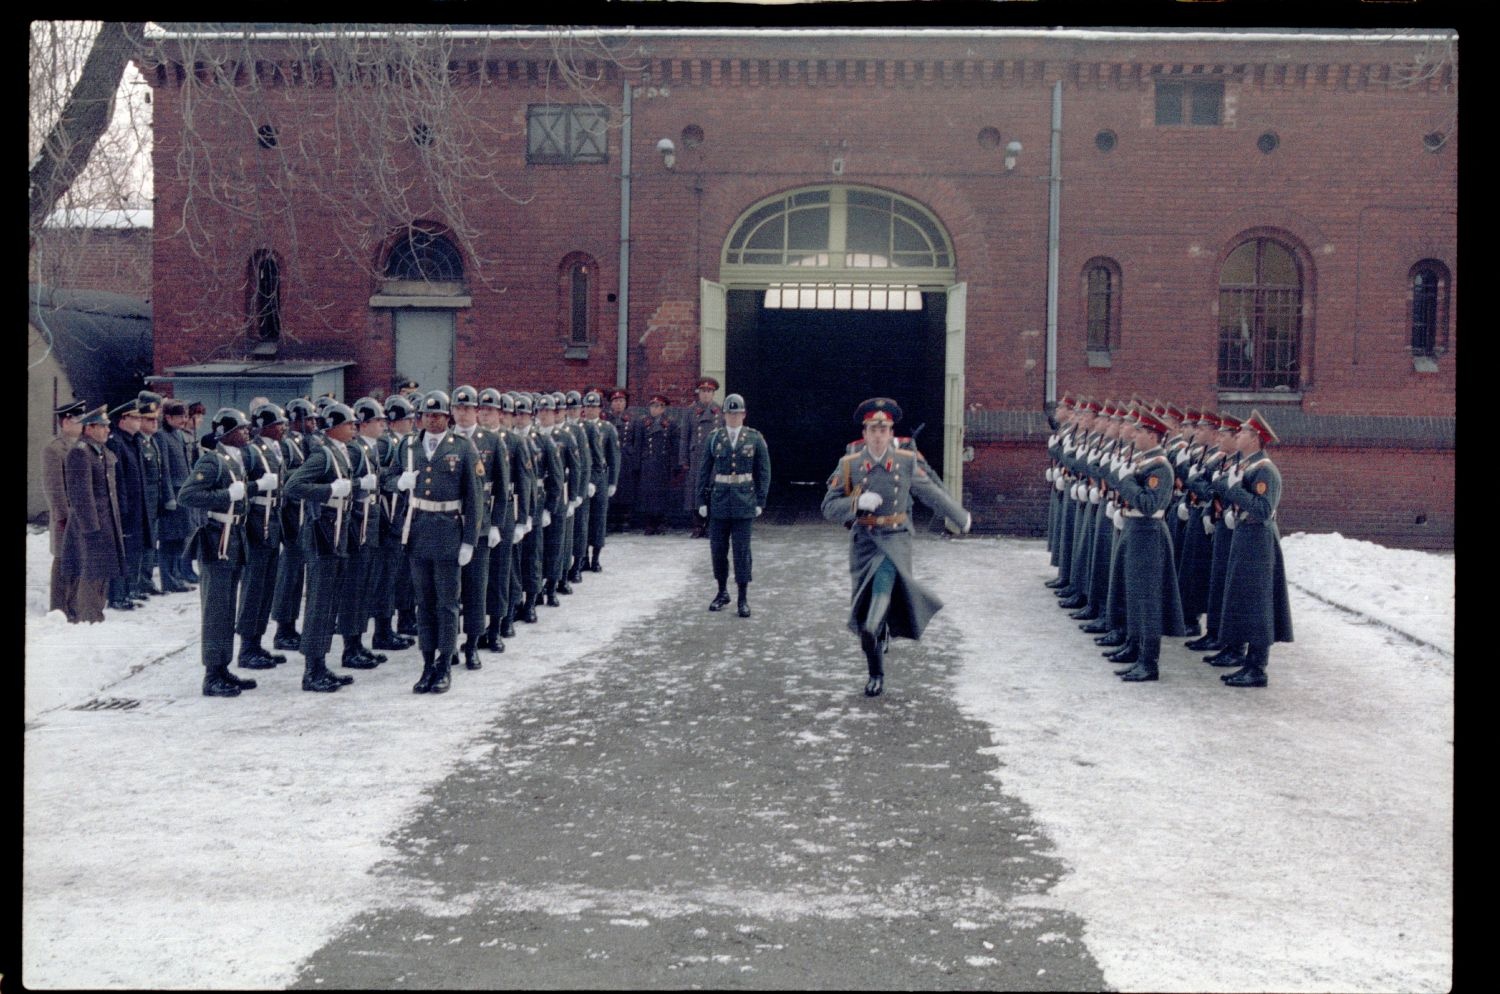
1250 676
1085 614
483 641
425 680
720 601
241 682
1208 643
121 605
287 639
528 610
442 678
594 566
1063 593
471 657
1054 583
1128 653
171 585
1114 638
1139 673
875 686
216 685
406 623
261 660
550 599
507 629
1072 603
1193 631
563 587
494 644
317 679
1226 657
1096 627
355 661
386 638
576 574
152 590
743 608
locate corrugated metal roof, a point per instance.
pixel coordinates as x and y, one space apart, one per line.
250 367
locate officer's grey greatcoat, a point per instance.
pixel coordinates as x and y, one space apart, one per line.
656 447
1153 604
885 533
1256 609
698 422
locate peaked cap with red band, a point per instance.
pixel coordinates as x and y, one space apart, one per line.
878 409
1228 422
1257 423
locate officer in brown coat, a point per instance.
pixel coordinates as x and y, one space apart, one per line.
54 481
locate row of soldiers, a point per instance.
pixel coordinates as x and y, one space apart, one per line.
1159 516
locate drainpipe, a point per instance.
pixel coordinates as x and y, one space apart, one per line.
622 330
1054 209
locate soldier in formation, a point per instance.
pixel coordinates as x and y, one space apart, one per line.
698 422
732 481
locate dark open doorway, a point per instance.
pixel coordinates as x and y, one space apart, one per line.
804 371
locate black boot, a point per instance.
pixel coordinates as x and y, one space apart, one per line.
1144 670
492 636
1114 637
241 682
471 657
1254 672
406 623
1098 627
442 667
744 603
316 678
508 625
424 682
1054 583
1127 653
1084 613
575 575
216 683
549 593
355 658
1208 643
528 609
1193 631
875 661
286 637
1230 655
594 566
387 638
563 587
721 599
1070 603
254 657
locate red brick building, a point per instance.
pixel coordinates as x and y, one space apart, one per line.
973 221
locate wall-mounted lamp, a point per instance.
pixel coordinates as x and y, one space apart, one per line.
1011 152
668 152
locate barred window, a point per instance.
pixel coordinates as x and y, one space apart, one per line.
422 255
1190 102
1101 287
265 296
1260 318
1429 308
567 133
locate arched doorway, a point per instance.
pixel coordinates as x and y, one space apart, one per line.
828 295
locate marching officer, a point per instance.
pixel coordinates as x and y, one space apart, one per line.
870 493
439 471
360 576
656 445
325 485
286 601
606 476
698 422
93 545
219 488
1257 610
266 468
63 591
494 483
732 483
622 504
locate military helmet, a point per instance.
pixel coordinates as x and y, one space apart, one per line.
508 403
466 396
299 407
368 409
397 408
490 397
267 414
544 402
436 402
336 414
523 404
734 404
573 398
227 419
559 400
593 399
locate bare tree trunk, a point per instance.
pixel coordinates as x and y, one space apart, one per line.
71 141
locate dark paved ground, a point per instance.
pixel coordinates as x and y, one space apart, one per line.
716 804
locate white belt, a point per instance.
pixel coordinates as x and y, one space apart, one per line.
264 501
1132 513
335 503
228 519
437 505
734 477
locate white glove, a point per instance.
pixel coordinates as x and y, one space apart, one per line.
1059 483
593 489
1182 510
758 510
1229 519
494 535
702 510
1048 474
340 487
968 522
236 490
1235 476
546 519
465 553
612 489
1119 522
521 531
368 482
1208 525
407 480
869 501
170 505
1122 472
1093 495
267 483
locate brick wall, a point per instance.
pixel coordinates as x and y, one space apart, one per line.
111 260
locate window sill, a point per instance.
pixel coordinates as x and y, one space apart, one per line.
576 352
1100 360
422 302
1424 363
1260 396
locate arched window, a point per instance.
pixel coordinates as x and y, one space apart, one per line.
425 256
1429 308
265 296
577 310
1260 318
1101 290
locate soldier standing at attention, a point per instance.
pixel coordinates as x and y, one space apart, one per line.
391 555
64 591
93 552
439 471
701 418
494 480
1256 609
497 415
590 454
217 486
870 493
732 483
622 504
130 487
286 600
606 477
324 483
265 467
175 520
656 446
148 404
360 576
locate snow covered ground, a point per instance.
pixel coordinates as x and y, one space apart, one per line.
1296 838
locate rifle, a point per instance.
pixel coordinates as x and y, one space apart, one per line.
338 519
227 525
406 528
